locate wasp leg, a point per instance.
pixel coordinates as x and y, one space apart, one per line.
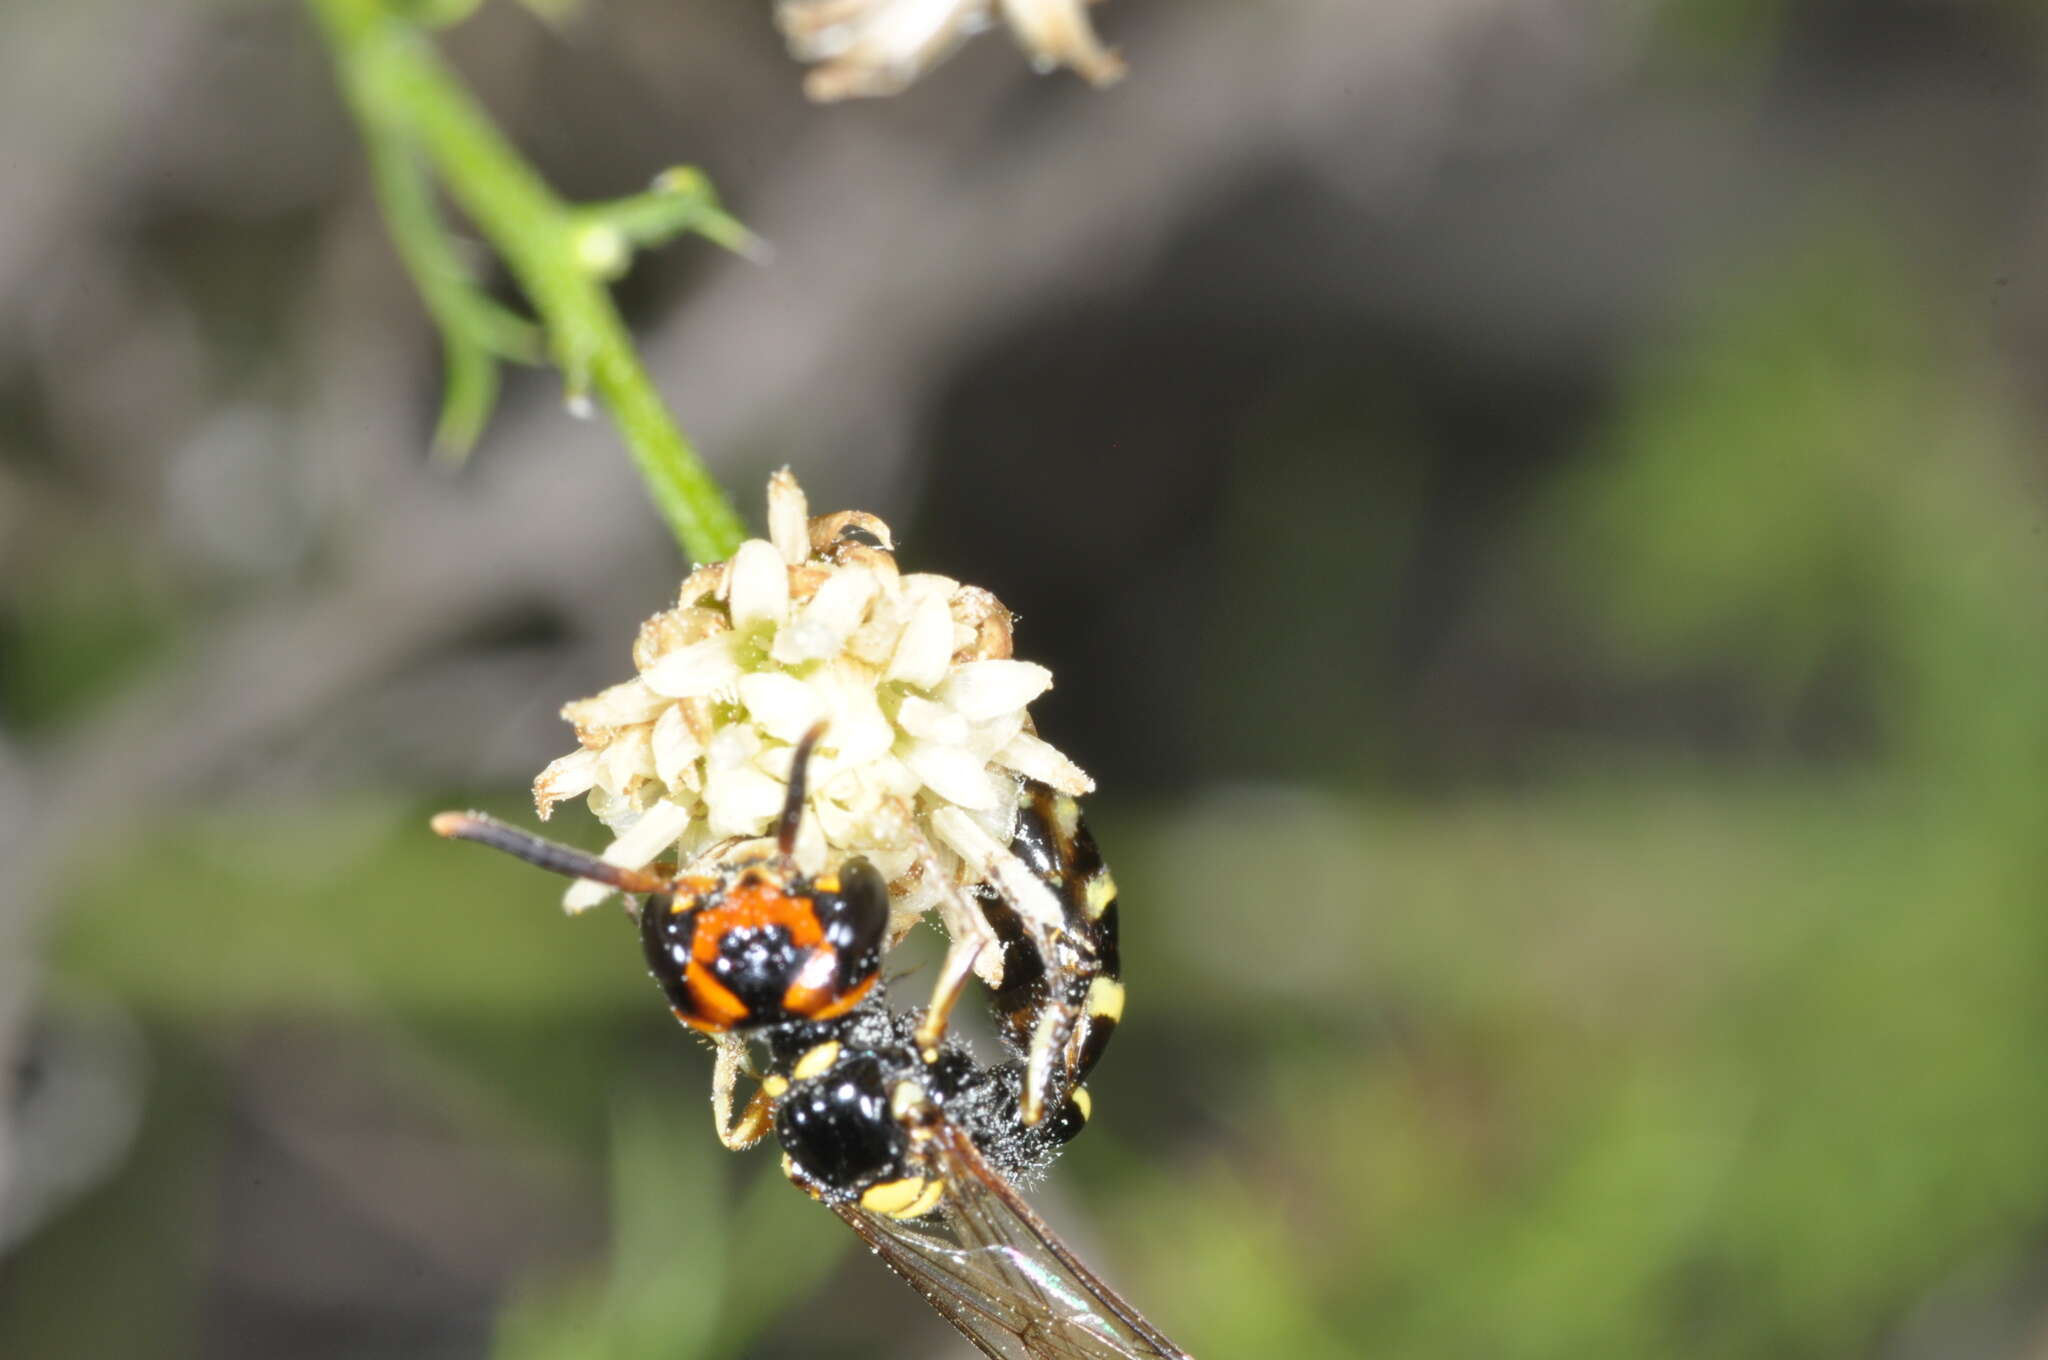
946 993
754 1123
754 1120
1071 1032
966 926
974 948
1046 1044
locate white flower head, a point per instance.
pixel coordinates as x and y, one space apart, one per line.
879 47
925 712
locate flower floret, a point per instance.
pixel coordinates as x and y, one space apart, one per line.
879 47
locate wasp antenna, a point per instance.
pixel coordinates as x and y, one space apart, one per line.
793 805
546 854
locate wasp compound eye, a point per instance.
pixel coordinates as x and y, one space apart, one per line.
838 1131
856 918
665 935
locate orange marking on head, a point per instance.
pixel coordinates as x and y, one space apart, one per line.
755 902
718 1009
818 1003
689 892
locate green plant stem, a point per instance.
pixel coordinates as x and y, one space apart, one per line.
406 98
475 331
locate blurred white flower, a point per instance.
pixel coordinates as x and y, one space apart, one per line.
927 735
879 47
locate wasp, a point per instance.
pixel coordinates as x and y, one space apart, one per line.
882 1116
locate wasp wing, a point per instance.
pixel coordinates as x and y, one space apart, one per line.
991 1267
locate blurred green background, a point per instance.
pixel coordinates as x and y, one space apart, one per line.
1537 511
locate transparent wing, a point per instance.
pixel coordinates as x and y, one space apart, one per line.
991 1267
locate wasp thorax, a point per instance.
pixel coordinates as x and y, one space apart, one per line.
837 1129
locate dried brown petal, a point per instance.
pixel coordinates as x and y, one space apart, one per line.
981 626
673 629
704 586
